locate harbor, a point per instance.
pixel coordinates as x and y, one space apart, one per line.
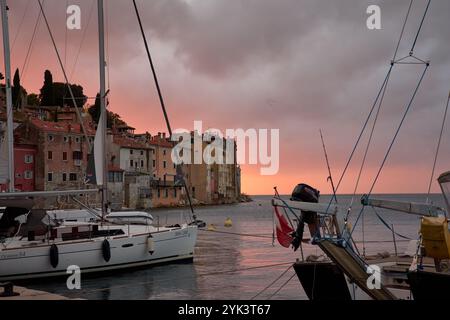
233 263
294 180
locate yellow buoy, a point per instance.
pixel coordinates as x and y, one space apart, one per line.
211 227
228 223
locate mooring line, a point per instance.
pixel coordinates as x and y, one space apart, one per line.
239 234
191 277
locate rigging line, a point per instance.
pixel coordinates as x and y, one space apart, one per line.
80 119
420 28
330 176
403 30
20 25
282 286
271 284
161 100
438 147
392 143
82 39
399 128
360 135
369 141
388 226
30 45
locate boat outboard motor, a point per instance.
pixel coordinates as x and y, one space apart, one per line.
305 193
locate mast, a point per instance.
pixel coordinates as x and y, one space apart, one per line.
9 111
102 63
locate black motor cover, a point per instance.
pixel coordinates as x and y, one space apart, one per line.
305 193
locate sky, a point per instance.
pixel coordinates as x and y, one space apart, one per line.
293 65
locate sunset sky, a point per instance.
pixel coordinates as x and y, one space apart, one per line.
294 65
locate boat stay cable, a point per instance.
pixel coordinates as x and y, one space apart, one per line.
438 148
161 100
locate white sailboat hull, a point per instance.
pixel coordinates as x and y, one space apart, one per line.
126 252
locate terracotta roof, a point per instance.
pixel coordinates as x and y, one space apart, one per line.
127 142
48 126
161 142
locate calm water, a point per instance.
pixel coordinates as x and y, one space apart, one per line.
227 266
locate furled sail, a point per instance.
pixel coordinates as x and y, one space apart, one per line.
94 172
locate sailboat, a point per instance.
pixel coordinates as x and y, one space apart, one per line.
33 244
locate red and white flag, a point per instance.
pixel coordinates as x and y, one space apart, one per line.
283 229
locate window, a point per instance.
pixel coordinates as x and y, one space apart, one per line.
174 192
154 163
77 139
159 193
50 155
66 139
131 163
164 152
174 166
131 151
28 158
28 175
73 177
64 156
50 176
164 164
142 163
50 138
166 193
142 152
64 177
77 155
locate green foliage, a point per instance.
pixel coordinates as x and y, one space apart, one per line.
62 95
113 118
33 100
47 96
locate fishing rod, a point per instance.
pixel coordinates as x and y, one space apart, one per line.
330 177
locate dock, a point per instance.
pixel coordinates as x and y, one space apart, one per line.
21 293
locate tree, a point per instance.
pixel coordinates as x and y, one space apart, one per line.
94 110
18 92
33 99
62 95
47 96
113 118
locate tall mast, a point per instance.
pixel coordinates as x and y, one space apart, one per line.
9 111
102 63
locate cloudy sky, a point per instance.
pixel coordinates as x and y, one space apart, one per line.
294 65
